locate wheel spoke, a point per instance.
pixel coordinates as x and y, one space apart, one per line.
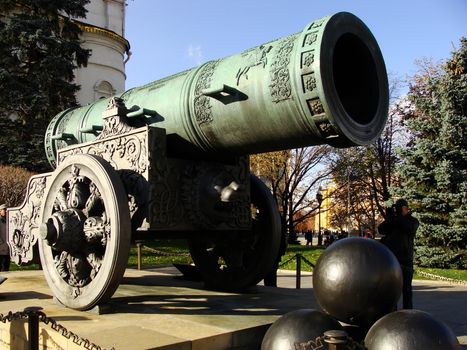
94 205
80 250
79 196
247 255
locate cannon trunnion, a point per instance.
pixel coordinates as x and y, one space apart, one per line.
171 159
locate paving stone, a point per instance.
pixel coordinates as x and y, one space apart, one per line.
156 309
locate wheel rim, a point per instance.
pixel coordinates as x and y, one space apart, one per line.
235 260
85 232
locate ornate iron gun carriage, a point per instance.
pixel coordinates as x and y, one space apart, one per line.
171 159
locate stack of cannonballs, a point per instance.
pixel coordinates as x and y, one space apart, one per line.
358 282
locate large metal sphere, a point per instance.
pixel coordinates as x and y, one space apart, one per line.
357 281
298 327
410 329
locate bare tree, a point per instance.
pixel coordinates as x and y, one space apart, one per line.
293 176
362 178
363 175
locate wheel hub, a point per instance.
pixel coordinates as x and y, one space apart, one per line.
64 230
85 233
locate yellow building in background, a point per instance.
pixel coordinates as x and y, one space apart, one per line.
325 214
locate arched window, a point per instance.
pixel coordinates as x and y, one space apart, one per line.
103 89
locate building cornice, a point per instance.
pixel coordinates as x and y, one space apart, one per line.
89 28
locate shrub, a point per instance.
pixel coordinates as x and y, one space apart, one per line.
13 182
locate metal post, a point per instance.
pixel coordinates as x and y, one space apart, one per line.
298 270
33 327
320 237
138 249
319 198
336 339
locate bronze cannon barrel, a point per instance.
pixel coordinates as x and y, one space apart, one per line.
324 85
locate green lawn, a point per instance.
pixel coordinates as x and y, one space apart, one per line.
176 251
169 247
14 267
311 254
448 273
173 251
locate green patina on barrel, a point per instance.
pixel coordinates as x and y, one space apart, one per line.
324 85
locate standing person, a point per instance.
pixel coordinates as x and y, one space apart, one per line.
4 250
399 230
309 237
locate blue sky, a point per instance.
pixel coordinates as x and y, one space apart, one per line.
170 36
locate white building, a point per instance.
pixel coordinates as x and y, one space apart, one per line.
103 33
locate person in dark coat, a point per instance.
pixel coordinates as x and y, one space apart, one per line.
399 229
4 250
309 237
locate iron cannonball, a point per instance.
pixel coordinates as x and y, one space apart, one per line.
410 329
298 327
357 281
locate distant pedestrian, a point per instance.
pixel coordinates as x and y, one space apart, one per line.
399 229
309 237
4 250
342 234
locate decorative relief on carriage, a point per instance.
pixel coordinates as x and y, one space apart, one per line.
24 221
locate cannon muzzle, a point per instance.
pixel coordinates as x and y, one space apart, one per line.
324 85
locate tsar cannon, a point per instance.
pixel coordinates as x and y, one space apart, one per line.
170 159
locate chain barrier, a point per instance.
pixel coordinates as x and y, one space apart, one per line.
299 257
140 247
160 252
287 261
316 344
298 268
336 340
439 278
13 316
86 343
323 342
307 261
295 257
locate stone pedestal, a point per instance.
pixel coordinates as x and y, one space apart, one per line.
151 310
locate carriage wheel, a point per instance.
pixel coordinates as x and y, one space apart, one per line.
85 232
236 260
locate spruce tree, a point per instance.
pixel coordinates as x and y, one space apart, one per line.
39 49
434 163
